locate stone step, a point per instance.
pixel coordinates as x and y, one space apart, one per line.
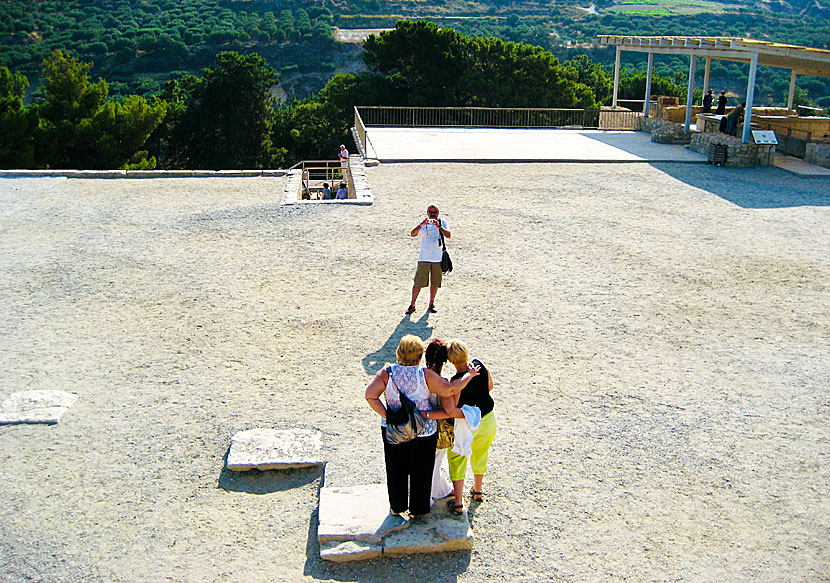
274 449
36 407
355 525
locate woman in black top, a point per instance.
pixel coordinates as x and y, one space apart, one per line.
476 393
722 99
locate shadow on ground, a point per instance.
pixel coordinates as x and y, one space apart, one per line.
639 144
763 187
259 482
421 327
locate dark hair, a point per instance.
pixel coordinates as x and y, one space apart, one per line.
436 354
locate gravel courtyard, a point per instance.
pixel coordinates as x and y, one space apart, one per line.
659 338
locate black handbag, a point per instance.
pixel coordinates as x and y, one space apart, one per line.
403 424
446 262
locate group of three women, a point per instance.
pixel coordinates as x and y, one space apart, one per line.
410 465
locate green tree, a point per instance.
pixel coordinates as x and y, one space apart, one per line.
79 128
17 122
593 75
442 67
287 24
223 119
313 128
123 127
66 137
633 86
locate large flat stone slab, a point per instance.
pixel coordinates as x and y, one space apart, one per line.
36 407
355 525
275 449
357 513
438 532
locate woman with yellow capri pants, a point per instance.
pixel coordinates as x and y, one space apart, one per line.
476 393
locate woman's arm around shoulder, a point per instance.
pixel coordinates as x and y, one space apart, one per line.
444 388
450 406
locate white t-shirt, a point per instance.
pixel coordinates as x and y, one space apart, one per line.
431 249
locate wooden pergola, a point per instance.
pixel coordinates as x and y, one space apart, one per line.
799 60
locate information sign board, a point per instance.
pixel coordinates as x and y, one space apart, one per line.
764 137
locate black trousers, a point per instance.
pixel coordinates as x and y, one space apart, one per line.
409 469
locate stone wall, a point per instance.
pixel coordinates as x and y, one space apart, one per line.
819 127
818 153
677 113
664 132
738 155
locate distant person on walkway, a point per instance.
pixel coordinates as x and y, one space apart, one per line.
428 272
477 394
409 465
707 102
722 99
342 193
344 156
326 191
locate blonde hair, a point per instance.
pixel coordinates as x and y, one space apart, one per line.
410 350
457 352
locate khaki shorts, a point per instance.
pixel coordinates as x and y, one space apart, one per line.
427 272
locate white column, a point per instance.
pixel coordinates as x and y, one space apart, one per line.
750 95
792 91
690 92
706 75
616 77
648 83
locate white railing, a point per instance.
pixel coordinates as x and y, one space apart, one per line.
492 117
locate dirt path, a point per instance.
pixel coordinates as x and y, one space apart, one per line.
660 353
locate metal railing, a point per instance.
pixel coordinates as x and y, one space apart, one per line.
363 142
493 117
316 172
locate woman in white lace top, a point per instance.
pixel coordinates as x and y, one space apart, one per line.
409 465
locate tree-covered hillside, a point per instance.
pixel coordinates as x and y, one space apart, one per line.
226 116
138 44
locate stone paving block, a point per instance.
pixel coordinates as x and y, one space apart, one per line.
99 174
358 513
239 173
438 532
32 173
36 407
355 525
274 449
159 173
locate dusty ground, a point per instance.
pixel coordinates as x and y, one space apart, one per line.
659 339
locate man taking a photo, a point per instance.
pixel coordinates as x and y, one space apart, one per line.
428 272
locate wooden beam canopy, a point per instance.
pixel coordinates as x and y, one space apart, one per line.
800 60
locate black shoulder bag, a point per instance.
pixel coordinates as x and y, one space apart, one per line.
446 262
403 424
